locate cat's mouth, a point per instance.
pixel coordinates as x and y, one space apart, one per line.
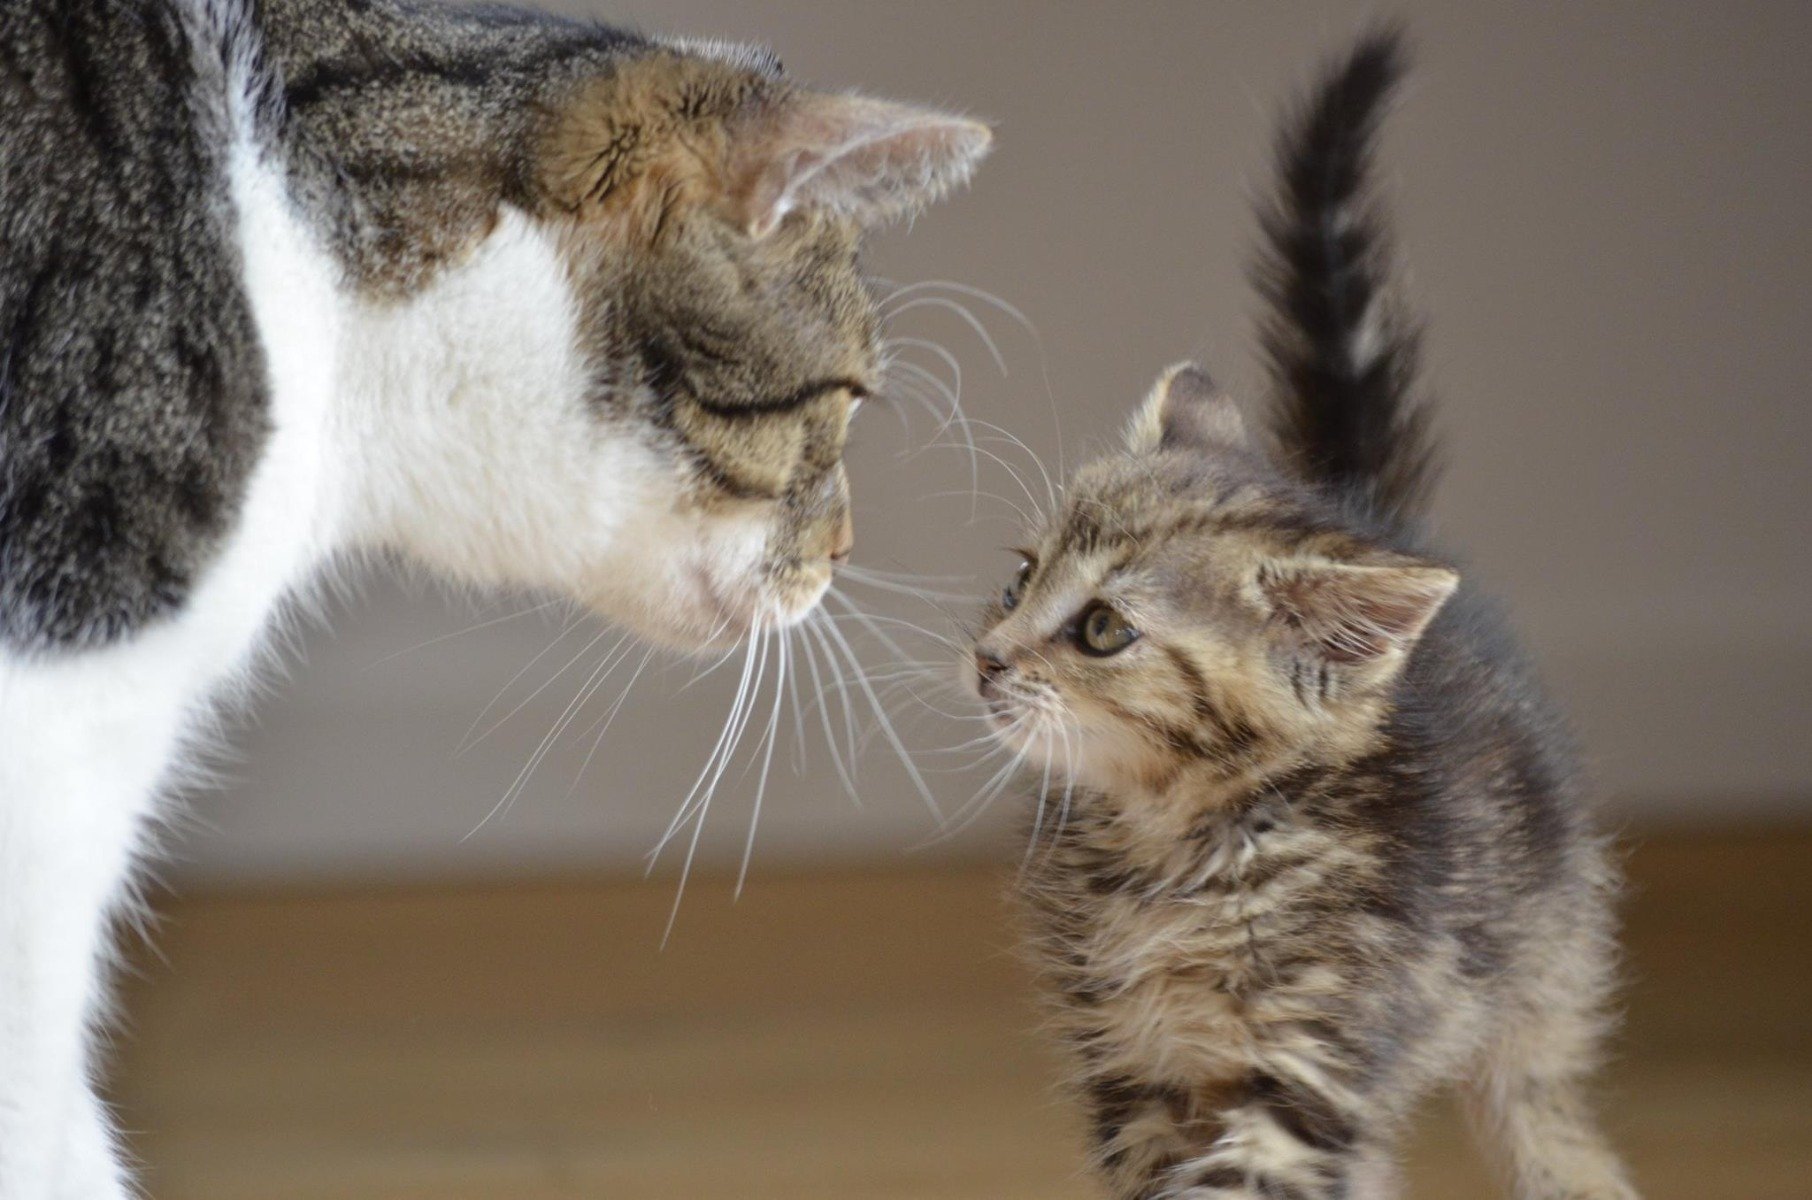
711 596
726 615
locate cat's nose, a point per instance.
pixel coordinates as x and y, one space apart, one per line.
988 668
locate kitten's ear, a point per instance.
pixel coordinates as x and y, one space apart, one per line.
1186 410
871 160
1350 614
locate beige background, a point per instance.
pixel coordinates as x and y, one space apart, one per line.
1605 209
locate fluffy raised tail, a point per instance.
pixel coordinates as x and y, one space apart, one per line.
1343 361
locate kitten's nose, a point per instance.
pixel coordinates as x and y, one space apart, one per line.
988 667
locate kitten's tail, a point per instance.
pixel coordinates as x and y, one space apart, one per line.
1341 357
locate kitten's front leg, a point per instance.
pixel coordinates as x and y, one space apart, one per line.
1258 1138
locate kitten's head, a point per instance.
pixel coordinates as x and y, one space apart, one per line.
679 460
1191 607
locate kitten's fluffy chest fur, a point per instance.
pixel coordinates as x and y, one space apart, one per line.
1192 929
1250 949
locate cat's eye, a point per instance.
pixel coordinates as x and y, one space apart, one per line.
1009 599
1103 631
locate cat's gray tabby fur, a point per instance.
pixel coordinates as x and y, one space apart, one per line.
130 415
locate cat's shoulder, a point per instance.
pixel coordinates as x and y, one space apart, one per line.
132 394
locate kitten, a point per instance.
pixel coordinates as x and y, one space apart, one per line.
530 300
1319 843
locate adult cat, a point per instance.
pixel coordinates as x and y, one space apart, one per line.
531 300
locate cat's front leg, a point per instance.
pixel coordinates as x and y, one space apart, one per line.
53 1140
90 1162
52 1145
66 834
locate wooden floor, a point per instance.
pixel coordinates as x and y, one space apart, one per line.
843 1036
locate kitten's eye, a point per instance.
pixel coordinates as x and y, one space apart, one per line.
1009 599
1103 631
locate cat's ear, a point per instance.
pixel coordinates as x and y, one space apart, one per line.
721 129
871 160
1186 410
1350 614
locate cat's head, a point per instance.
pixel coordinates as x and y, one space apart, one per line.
1191 607
679 465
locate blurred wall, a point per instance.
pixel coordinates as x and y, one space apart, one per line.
1604 209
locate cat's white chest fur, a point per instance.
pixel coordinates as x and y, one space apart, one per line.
87 739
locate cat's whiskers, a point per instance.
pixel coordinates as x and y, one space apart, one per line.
1044 789
962 313
500 722
467 741
601 726
1069 789
504 619
697 805
792 686
914 296
1038 515
950 390
962 289
698 797
870 621
953 413
905 686
769 641
812 643
909 578
991 738
1002 434
783 638
920 377
937 672
729 653
890 683
1021 515
891 305
599 673
973 809
884 722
